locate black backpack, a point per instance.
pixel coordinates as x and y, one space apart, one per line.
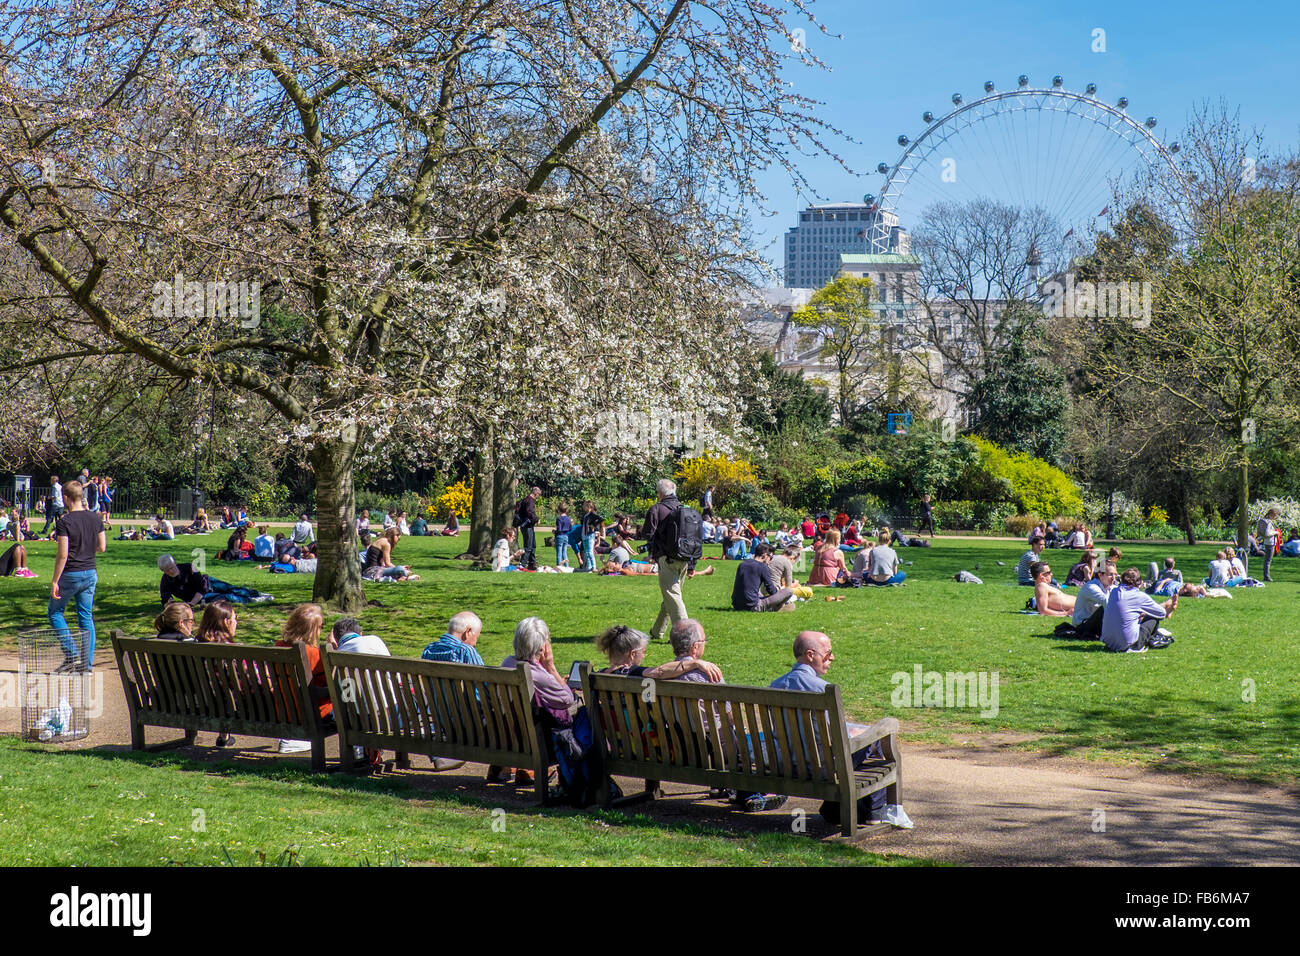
681 535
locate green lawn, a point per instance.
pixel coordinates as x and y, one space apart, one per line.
91 808
1181 708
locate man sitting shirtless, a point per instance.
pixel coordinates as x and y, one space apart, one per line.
1049 600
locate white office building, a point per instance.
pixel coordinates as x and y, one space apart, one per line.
825 232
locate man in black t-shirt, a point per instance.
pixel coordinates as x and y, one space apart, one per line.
181 582
753 581
526 521
80 535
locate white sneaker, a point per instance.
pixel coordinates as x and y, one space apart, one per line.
1137 650
1163 633
294 746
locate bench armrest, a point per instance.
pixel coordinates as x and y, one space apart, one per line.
884 727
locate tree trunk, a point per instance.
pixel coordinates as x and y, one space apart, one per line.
504 490
338 571
1243 498
1185 516
481 518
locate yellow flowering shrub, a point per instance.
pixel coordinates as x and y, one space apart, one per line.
458 498
1159 515
694 475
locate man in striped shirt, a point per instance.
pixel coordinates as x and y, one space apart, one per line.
1036 544
457 645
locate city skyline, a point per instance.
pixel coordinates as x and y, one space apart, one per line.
1166 62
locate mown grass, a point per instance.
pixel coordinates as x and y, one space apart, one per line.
1222 699
79 808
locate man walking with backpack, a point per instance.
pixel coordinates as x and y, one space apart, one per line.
675 536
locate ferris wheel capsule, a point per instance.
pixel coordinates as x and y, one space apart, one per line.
903 140
1091 89
1174 147
988 86
1122 102
1150 122
1024 79
1057 81
882 168
956 99
927 117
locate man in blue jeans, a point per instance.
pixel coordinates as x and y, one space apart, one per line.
53 504
80 535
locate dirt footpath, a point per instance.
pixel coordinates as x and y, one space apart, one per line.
983 805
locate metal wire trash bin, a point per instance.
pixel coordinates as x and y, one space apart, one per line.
55 692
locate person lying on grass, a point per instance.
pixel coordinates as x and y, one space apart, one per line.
1049 600
181 582
1171 582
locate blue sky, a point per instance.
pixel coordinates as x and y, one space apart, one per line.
897 60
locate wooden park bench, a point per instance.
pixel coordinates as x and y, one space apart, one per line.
455 711
739 738
221 688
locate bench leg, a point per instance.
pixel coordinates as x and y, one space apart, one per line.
318 752
403 760
137 736
542 779
190 736
345 754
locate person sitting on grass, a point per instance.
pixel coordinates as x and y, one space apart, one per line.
175 623
1090 603
227 519
882 566
1291 547
1049 600
735 546
304 626
1171 582
377 565
14 560
852 534
1082 572
162 530
625 647
828 562
1132 617
1238 567
753 580
419 527
1023 575
1080 537
452 527
302 531
181 582
458 643
781 571
238 547
504 551
263 544
200 524
1114 556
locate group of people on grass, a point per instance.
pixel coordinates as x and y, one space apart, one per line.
1121 609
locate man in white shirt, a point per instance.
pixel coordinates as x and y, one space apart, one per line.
302 532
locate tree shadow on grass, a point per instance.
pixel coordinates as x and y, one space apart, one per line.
712 821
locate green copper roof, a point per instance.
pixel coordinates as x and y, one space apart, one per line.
878 259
